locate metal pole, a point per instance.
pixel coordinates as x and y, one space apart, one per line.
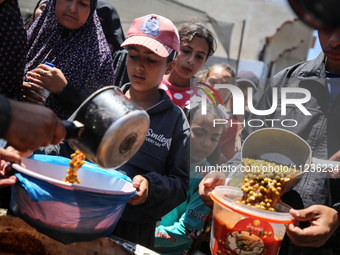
240 47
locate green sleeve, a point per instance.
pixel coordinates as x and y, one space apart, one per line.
187 226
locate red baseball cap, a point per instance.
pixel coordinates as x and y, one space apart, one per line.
154 32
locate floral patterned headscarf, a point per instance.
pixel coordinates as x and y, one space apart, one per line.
83 54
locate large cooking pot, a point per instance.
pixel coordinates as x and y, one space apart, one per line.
107 127
319 14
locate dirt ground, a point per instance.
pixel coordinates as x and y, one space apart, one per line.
17 238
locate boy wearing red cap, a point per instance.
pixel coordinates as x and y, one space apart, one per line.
160 168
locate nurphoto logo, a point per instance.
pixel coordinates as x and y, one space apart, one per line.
239 105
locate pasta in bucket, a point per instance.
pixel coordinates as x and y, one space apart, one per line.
64 211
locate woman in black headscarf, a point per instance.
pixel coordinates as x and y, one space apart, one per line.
79 50
114 34
108 16
40 6
110 21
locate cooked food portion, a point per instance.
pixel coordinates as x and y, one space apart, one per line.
264 182
76 162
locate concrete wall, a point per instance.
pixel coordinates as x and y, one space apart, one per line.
262 20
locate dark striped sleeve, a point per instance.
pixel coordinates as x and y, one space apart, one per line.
5 114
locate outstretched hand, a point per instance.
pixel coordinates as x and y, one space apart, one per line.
324 221
208 184
33 126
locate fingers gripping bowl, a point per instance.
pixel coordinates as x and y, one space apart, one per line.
240 228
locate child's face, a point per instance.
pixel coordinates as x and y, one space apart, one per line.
145 68
39 10
191 58
204 137
219 75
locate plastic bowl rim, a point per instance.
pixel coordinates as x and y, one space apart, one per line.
244 209
68 185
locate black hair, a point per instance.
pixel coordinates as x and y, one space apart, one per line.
197 111
189 30
171 57
225 66
204 74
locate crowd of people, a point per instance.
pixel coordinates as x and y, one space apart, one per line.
69 49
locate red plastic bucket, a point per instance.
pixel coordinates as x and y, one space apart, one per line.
244 230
